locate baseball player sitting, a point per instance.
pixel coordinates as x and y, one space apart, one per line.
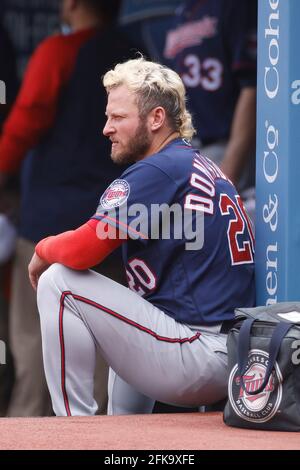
188 253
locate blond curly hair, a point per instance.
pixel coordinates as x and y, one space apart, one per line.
154 85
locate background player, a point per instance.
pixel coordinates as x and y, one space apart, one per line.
167 343
212 46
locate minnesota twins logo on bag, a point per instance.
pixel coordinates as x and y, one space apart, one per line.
262 406
264 378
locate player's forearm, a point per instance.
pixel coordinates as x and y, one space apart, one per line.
77 249
243 133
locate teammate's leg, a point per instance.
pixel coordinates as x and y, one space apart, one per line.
156 355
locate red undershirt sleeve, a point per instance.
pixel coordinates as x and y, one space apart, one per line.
78 249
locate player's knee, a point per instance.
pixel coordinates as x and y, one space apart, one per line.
48 279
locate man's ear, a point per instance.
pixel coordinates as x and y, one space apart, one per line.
157 118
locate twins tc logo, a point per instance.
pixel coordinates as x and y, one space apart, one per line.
261 407
116 194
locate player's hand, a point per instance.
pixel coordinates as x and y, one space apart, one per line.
36 268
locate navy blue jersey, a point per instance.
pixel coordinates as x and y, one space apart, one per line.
195 286
212 45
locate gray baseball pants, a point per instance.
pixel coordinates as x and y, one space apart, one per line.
151 356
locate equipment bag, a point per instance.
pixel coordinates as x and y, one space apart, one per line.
264 372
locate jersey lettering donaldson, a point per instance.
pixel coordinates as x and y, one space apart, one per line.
195 286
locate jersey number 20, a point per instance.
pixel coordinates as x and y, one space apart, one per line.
239 225
143 280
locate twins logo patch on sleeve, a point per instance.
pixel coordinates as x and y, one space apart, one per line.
115 195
